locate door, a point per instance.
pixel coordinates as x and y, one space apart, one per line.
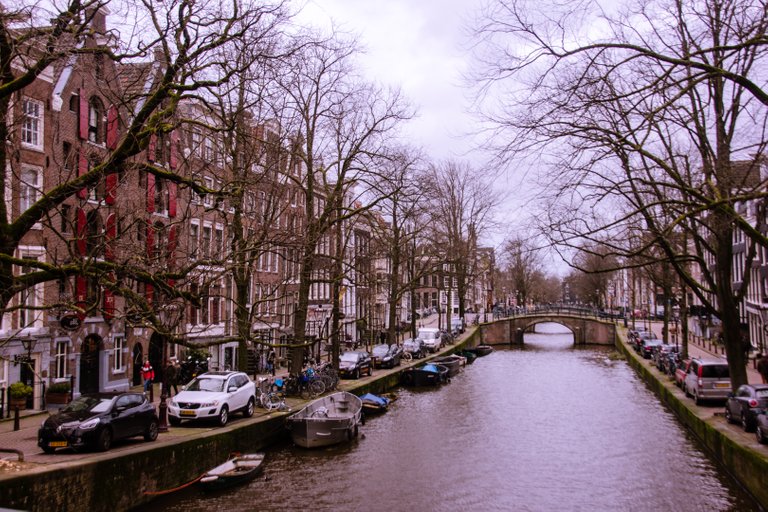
27 376
138 360
89 364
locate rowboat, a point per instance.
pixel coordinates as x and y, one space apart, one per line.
426 375
374 404
453 362
326 421
237 470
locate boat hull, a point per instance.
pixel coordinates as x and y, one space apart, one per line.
326 421
420 377
453 363
236 471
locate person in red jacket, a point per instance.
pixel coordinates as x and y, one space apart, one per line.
147 375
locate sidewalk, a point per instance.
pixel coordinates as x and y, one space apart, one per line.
705 350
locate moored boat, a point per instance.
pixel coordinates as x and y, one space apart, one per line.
326 421
470 355
237 470
481 350
453 362
429 374
374 404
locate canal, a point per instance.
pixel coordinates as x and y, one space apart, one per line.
545 427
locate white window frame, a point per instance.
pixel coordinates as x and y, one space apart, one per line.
118 351
29 193
32 123
194 237
61 357
30 297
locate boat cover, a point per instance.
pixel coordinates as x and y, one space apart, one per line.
430 368
378 400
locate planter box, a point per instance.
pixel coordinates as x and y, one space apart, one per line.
57 398
17 403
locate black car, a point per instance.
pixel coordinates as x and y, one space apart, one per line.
744 405
96 420
386 356
353 364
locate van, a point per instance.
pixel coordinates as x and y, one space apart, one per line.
457 325
431 337
707 380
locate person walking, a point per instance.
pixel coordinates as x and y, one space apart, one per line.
271 359
171 378
762 366
147 375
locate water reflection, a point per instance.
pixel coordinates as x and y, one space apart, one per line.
544 427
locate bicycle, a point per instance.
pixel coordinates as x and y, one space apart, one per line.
271 395
310 384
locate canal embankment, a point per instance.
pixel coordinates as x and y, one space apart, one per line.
738 452
133 474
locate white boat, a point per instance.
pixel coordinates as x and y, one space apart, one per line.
328 420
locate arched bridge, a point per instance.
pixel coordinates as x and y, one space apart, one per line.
587 327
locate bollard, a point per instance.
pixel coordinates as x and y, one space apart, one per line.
16 426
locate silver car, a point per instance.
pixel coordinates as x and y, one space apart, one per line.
707 380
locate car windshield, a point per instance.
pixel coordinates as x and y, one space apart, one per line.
350 357
206 384
89 403
380 350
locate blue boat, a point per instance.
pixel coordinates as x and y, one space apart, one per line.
427 375
374 403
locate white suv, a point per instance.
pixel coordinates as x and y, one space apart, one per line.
213 395
432 338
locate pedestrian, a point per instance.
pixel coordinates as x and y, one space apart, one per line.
271 357
171 378
762 366
147 375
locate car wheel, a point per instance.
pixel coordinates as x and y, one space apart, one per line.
49 450
356 373
223 415
696 398
174 421
759 435
745 423
151 433
370 371
728 415
248 411
104 441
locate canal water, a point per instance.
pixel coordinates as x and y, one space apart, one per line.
541 428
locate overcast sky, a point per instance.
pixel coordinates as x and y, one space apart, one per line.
419 46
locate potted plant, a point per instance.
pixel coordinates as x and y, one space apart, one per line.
19 393
58 393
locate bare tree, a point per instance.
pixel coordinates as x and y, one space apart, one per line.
658 125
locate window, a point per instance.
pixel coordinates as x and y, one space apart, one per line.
27 300
161 196
96 121
206 242
219 243
32 123
60 360
194 310
66 215
118 360
29 187
208 200
193 237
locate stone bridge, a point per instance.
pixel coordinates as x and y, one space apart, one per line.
586 329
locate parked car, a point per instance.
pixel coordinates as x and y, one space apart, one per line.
386 356
641 338
431 337
707 380
761 427
414 347
661 356
97 420
648 346
744 405
681 371
213 395
354 363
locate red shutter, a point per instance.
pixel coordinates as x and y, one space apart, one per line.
112 127
81 225
111 234
111 180
150 241
171 199
83 115
152 147
80 291
149 293
82 168
109 301
150 193
174 156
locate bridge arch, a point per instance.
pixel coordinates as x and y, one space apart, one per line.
586 330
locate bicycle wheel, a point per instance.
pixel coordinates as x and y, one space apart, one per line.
316 388
304 390
407 356
273 401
